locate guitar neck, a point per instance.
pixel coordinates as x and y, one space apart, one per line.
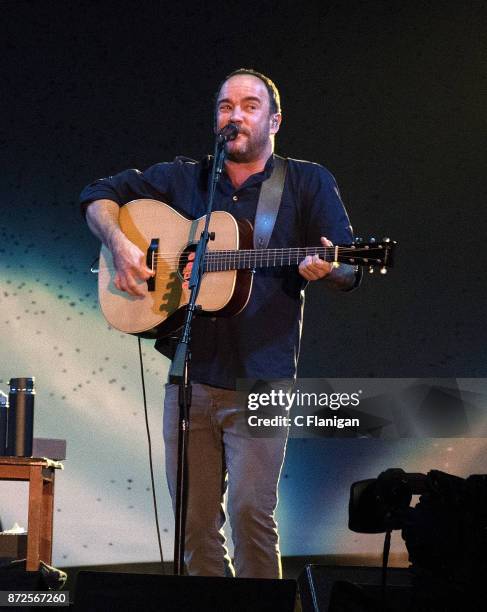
219 261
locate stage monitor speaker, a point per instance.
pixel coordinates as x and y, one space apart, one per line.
316 582
118 592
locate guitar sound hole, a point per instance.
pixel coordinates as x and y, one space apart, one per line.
183 260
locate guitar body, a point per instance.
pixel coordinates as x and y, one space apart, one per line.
167 237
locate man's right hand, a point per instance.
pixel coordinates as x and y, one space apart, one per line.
130 266
128 259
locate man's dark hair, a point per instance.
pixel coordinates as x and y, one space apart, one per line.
274 97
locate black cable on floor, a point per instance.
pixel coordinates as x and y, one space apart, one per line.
150 454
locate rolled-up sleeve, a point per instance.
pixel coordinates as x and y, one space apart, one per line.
155 183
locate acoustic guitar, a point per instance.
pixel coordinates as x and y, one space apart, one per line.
167 238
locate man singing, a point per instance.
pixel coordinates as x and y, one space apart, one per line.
260 343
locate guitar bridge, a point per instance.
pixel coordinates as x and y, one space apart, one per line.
151 262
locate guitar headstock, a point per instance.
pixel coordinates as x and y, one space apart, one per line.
371 254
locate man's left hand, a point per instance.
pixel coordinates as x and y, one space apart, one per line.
313 268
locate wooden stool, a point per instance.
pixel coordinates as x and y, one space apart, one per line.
40 474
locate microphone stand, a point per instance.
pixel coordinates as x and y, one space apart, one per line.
179 372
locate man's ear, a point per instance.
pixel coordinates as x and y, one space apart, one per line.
275 122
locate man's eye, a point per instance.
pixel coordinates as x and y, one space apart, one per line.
225 107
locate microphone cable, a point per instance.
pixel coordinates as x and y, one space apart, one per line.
149 444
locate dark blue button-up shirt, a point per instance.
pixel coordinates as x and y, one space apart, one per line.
261 342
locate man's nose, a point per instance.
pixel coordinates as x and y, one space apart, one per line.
236 116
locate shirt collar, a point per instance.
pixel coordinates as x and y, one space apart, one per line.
258 177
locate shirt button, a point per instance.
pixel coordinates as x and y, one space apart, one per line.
235 198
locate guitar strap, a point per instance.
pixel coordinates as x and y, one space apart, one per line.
269 202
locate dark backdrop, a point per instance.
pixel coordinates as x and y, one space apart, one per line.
387 95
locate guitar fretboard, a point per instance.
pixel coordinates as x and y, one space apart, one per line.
218 261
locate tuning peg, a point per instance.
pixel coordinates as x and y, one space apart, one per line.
372 239
371 269
385 239
383 270
358 240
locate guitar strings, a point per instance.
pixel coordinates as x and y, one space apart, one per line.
225 255
221 256
324 250
370 261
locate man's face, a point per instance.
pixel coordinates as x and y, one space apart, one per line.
244 100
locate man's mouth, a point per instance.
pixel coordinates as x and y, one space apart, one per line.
238 137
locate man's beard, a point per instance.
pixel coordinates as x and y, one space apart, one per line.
255 145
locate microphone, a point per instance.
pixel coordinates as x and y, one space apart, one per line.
228 132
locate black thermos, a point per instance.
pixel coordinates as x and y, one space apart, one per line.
20 425
3 423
